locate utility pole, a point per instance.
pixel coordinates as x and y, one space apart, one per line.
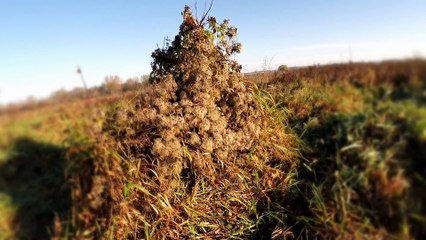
79 72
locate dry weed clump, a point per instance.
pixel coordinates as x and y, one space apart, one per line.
194 155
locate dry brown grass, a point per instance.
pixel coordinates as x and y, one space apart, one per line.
190 158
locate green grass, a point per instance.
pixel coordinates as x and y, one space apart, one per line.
7 210
360 173
33 188
358 177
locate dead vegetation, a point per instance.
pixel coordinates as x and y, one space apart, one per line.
194 155
321 152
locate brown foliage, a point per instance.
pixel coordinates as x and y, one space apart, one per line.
190 155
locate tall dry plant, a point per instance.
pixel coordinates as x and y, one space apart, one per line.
191 157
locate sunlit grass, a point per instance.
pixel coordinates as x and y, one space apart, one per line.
359 152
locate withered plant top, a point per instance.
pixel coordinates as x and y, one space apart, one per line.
199 47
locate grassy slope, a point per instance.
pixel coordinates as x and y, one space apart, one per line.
364 158
33 189
13 134
363 144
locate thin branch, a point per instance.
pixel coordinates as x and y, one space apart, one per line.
196 10
205 13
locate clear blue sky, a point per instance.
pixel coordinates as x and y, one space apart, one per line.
42 42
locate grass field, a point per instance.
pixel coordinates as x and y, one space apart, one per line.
359 174
201 152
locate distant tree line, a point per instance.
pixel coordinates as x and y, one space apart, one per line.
112 84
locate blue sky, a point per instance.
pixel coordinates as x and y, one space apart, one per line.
42 42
